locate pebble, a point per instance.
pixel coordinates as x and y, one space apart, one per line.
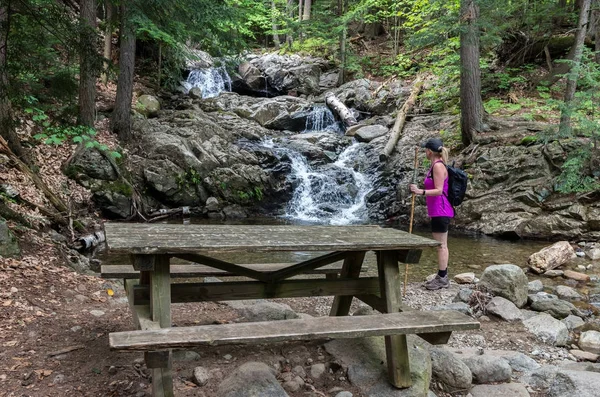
96 313
13 290
228 357
75 328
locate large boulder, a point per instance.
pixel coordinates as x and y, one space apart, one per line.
556 382
148 105
488 369
9 247
550 304
365 359
358 94
89 163
507 281
450 371
197 59
548 329
174 185
114 200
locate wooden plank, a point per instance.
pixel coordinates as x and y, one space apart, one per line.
145 238
310 264
160 308
293 330
226 266
395 345
193 270
239 290
351 269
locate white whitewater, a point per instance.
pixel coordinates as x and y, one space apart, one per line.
212 81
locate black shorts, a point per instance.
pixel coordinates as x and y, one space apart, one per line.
439 224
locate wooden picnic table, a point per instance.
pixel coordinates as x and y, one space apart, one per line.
151 247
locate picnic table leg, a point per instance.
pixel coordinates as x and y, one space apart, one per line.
395 345
160 307
350 269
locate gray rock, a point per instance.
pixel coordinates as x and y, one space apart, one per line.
201 376
252 379
195 93
548 329
449 370
364 358
520 362
488 369
148 105
186 355
97 313
567 293
234 211
90 163
463 295
501 390
212 204
197 59
458 306
317 370
370 132
548 303
267 311
573 322
507 281
504 309
589 341
535 286
344 394
554 382
9 247
113 203
592 251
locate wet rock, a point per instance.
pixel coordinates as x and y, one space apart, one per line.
576 276
507 281
449 370
488 369
501 390
252 379
504 309
548 329
535 286
195 93
554 273
589 341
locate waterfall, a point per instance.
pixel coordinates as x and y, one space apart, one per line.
332 193
212 81
321 119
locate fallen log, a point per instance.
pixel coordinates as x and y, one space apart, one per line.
551 257
401 119
90 241
340 109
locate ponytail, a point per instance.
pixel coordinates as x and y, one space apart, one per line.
445 155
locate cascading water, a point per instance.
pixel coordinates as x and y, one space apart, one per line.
212 81
332 193
321 119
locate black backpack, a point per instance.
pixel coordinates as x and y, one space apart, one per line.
457 185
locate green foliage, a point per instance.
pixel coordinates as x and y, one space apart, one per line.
576 176
189 179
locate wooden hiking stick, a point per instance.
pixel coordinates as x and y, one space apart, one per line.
412 214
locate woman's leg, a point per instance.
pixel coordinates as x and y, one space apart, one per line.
442 250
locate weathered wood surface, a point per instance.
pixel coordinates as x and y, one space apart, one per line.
140 238
192 270
200 292
396 346
293 330
223 265
351 269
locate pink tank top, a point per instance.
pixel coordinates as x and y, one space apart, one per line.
437 205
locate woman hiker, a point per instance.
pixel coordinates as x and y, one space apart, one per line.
438 207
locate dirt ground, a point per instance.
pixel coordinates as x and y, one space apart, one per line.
55 326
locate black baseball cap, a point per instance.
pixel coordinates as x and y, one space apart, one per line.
433 144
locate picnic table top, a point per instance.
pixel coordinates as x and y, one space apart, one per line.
145 238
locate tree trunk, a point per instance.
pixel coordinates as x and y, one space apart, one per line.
471 105
401 119
565 117
87 56
289 39
340 109
107 39
7 130
307 7
274 26
596 16
121 118
342 74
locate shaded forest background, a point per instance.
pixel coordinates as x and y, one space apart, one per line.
536 59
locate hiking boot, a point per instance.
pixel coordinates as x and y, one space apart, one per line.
438 283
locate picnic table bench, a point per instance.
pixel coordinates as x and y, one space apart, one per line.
151 291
